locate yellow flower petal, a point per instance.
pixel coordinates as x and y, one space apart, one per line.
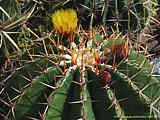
65 21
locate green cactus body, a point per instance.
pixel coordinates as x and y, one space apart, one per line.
81 94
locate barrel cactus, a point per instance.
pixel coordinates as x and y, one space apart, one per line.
80 75
95 76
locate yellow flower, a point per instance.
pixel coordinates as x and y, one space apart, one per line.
65 21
